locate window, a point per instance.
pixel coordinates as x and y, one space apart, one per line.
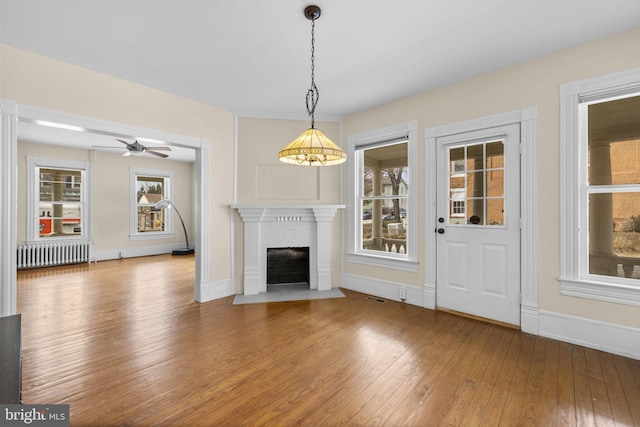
148 188
58 202
601 188
382 177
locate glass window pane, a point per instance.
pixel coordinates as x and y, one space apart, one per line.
384 228
367 182
495 155
60 202
614 234
495 183
614 142
456 158
475 157
475 184
394 181
495 211
457 208
456 182
150 189
150 219
60 185
385 185
475 212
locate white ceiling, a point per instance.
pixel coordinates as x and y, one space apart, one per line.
252 57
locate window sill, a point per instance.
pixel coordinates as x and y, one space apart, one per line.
616 293
404 264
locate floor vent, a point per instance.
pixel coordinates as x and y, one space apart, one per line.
376 299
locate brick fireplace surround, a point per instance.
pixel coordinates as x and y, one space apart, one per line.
283 226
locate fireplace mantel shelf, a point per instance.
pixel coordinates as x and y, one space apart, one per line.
287 207
277 213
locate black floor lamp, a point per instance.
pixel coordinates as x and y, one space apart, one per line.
166 203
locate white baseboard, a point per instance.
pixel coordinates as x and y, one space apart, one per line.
132 252
429 296
529 319
210 291
609 337
384 289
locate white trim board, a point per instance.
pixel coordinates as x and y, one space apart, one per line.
383 289
609 337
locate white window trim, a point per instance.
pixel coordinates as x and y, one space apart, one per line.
572 159
33 197
405 262
133 211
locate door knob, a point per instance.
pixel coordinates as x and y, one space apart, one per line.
440 230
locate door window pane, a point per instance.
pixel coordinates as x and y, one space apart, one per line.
477 191
495 211
495 183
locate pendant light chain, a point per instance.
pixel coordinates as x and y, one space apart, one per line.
312 94
312 147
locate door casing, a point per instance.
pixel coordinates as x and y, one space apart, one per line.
527 118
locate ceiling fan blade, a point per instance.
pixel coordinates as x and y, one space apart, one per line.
126 143
160 148
106 146
164 156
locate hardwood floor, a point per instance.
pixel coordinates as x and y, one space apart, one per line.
123 343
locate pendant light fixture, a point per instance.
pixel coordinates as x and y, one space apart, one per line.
312 147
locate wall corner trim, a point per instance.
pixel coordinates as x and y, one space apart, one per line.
213 290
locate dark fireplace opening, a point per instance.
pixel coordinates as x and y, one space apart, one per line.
288 266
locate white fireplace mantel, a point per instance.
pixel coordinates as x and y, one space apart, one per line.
278 226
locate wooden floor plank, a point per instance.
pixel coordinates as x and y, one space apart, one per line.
547 409
123 343
603 413
615 394
515 400
629 376
566 390
582 389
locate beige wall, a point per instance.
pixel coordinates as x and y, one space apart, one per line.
263 179
41 82
111 193
530 84
34 80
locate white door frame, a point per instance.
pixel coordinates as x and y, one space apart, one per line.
528 120
10 112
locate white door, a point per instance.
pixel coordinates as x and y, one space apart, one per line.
478 223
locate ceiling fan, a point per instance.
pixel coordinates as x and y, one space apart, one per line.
137 149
